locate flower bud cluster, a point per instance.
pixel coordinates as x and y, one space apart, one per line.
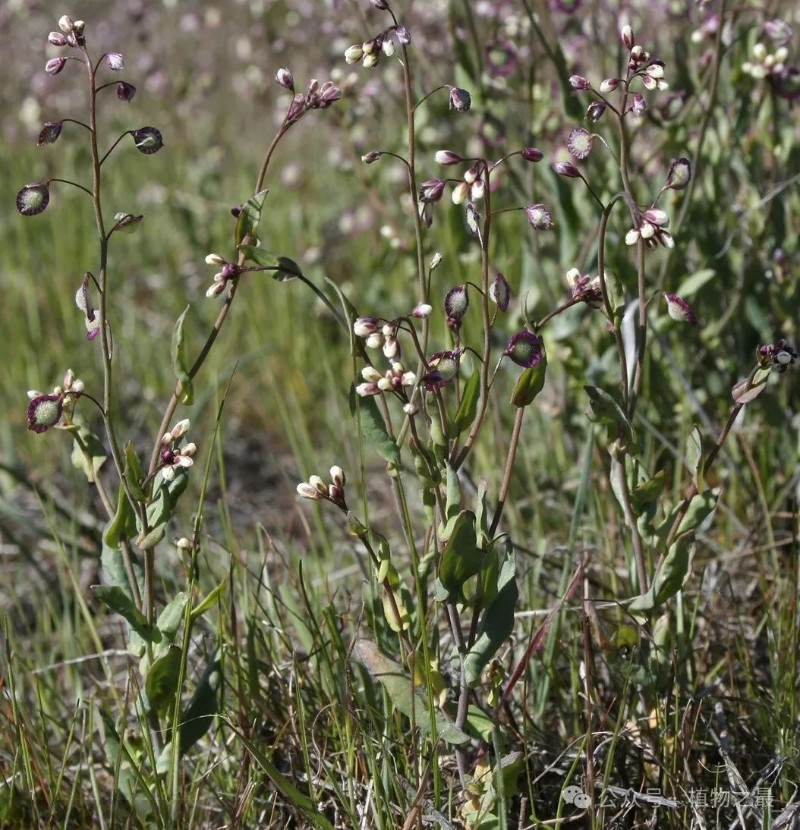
473 184
779 356
316 97
651 226
763 63
227 273
382 334
382 45
315 488
173 456
584 288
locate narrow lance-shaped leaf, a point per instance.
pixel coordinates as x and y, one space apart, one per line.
409 699
115 598
180 365
497 622
373 430
468 407
204 705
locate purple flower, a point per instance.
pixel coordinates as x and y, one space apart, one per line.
500 292
284 77
524 349
442 368
447 158
456 303
539 217
579 82
50 132
44 412
148 140
679 309
531 154
779 356
125 91
566 169
55 65
114 61
33 198
580 143
460 99
595 111
501 58
431 190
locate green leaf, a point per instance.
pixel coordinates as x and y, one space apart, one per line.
691 285
249 219
468 407
88 453
203 707
408 698
461 557
284 268
162 678
123 524
169 620
497 622
453 494
373 430
531 382
207 602
115 598
178 359
644 500
695 455
133 472
699 509
675 570
129 780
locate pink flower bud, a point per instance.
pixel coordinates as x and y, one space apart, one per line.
564 168
56 39
609 85
579 82
500 292
125 91
55 65
679 309
284 77
447 158
531 154
114 61
626 36
371 156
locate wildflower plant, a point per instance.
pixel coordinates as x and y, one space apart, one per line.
140 496
453 376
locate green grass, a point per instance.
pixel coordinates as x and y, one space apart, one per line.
300 724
